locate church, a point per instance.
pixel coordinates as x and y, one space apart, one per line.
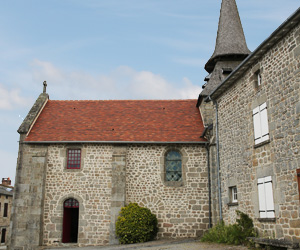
191 162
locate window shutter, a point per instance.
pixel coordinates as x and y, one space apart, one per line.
257 125
261 198
264 122
269 197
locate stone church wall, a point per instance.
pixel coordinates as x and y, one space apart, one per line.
242 163
182 210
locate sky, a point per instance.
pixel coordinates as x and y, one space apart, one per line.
111 49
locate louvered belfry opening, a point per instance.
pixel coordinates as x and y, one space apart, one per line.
70 221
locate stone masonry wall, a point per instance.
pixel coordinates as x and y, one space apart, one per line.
5 221
90 185
26 215
242 163
182 211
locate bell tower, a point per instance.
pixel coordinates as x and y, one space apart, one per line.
230 50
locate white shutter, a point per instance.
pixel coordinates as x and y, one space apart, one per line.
264 122
261 198
265 197
269 197
257 125
260 123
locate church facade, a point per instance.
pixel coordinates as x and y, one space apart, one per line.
190 162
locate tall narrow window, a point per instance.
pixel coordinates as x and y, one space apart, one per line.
5 209
260 121
233 194
3 234
258 75
298 179
173 166
74 159
265 197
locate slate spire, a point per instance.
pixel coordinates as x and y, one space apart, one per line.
230 42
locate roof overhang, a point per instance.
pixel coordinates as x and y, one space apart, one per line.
115 142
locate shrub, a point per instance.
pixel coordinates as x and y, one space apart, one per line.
136 224
231 234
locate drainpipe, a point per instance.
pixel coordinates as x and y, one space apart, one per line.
209 187
218 158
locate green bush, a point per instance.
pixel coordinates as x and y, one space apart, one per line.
231 234
136 224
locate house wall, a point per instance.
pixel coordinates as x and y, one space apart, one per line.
242 163
182 211
4 221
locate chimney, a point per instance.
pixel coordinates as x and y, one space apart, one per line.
6 181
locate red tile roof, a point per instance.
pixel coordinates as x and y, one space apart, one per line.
118 121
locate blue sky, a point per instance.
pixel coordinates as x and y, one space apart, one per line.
113 49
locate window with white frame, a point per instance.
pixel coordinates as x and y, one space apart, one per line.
258 78
233 194
260 122
265 197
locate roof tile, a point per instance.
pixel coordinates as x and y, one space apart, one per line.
121 120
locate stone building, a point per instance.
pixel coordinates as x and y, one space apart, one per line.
191 162
255 111
6 195
81 161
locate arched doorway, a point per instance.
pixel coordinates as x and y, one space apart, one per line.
70 221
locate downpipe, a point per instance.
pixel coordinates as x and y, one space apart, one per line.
218 159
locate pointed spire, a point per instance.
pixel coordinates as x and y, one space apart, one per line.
231 42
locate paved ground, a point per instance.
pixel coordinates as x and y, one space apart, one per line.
161 245
157 245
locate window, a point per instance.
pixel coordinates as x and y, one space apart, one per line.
298 179
233 194
260 121
3 235
5 209
258 79
71 203
173 166
265 197
74 158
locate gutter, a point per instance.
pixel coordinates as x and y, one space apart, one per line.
117 142
209 188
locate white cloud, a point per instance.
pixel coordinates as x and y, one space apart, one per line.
122 83
11 98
